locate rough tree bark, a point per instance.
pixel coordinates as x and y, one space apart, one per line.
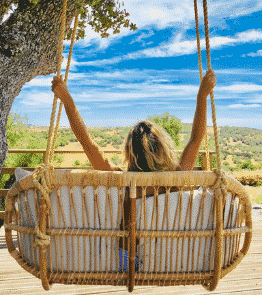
28 48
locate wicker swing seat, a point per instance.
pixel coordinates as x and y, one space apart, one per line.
71 226
178 238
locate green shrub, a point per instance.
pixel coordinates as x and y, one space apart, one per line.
236 160
170 124
116 160
246 165
102 143
214 161
76 164
199 161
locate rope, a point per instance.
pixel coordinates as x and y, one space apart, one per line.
43 177
41 240
201 76
212 93
45 181
219 186
59 63
65 80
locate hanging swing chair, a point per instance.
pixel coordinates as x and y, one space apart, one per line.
68 221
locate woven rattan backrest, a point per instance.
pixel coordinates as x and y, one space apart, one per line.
191 212
79 203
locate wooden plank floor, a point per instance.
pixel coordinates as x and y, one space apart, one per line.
246 278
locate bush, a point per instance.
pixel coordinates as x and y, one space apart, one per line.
236 160
214 161
170 124
76 164
246 165
116 160
102 143
199 161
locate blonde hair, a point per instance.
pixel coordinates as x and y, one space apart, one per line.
149 148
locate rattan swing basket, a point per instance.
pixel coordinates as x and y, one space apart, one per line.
191 236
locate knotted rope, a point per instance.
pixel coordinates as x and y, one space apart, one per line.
41 240
45 182
219 187
201 76
221 178
44 177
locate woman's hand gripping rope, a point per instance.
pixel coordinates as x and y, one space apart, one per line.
208 82
60 88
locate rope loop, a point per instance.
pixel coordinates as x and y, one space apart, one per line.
219 187
45 181
41 240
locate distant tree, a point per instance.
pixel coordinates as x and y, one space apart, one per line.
16 129
19 136
170 124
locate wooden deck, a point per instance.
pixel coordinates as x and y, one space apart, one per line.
246 278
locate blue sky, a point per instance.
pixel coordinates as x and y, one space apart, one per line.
119 80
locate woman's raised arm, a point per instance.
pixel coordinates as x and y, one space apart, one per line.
189 156
78 126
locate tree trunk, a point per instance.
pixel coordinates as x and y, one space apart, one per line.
28 48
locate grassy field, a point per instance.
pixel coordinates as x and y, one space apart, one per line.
255 194
240 149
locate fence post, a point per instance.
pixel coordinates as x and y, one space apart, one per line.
211 161
204 161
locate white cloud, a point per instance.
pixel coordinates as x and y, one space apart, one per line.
141 37
237 106
39 82
114 105
122 122
160 80
42 81
240 88
73 63
178 15
43 99
179 47
256 99
253 54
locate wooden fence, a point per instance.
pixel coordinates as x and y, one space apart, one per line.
10 171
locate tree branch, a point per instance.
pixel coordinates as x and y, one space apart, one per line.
4 7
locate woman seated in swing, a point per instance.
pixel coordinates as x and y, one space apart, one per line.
147 148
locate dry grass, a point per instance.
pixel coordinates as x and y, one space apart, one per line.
246 177
249 179
255 194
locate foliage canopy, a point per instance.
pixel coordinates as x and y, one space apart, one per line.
170 124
